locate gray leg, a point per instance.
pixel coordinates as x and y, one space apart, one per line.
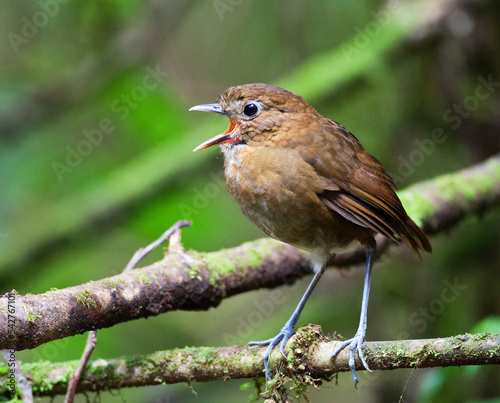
287 331
357 341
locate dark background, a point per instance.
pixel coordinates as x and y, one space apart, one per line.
96 162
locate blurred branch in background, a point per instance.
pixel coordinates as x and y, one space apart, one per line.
193 281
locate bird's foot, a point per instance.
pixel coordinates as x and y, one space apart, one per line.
354 345
282 337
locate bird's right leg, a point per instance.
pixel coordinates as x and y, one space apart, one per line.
287 331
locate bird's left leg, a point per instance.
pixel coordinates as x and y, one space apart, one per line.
357 341
287 331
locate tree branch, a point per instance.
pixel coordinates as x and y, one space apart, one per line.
199 281
309 353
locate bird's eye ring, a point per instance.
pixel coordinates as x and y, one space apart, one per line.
251 109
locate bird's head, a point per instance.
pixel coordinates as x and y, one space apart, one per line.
255 112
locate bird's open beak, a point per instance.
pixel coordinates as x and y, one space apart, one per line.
225 137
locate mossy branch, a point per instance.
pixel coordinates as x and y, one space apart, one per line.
309 353
194 281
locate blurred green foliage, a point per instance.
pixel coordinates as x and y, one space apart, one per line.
96 162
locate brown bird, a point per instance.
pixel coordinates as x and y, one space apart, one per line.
305 180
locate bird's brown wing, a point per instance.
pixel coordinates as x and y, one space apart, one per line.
365 194
358 212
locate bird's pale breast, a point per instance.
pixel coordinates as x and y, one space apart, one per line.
278 191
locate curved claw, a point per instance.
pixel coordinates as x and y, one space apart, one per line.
283 344
282 338
261 343
354 344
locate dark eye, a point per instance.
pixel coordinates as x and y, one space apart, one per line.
251 109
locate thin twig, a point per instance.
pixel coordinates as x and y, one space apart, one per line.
75 378
174 230
141 253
